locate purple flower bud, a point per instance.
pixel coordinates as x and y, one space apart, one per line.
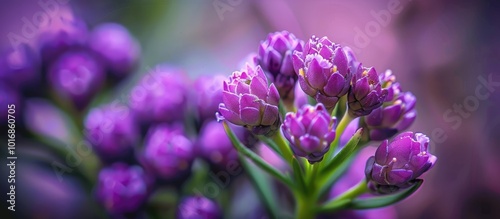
215 146
122 189
112 131
19 67
208 95
351 59
168 153
248 101
161 95
275 58
76 75
310 131
396 114
118 48
397 164
392 117
323 71
198 207
366 93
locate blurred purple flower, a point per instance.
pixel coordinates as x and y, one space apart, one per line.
397 164
122 189
160 96
116 46
366 93
19 67
323 71
310 131
112 131
77 75
198 207
215 145
168 153
249 102
208 95
275 58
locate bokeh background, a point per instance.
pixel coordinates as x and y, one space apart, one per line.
438 50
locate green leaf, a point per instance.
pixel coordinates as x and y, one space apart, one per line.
335 206
263 187
378 202
255 158
298 174
325 183
344 153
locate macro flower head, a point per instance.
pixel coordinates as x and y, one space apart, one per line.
398 163
310 131
275 58
249 101
323 71
366 92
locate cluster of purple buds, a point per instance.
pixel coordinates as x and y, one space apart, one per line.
275 58
122 189
396 114
366 93
323 71
208 95
160 96
310 132
78 60
397 164
77 75
198 207
112 131
168 153
249 101
215 146
116 46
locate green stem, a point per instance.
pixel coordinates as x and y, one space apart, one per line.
352 193
283 147
304 208
340 129
314 173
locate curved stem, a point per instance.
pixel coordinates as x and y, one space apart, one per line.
345 198
283 147
340 129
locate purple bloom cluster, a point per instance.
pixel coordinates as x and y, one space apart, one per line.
366 93
398 163
275 58
122 189
323 71
396 114
168 153
310 132
112 131
248 101
160 96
